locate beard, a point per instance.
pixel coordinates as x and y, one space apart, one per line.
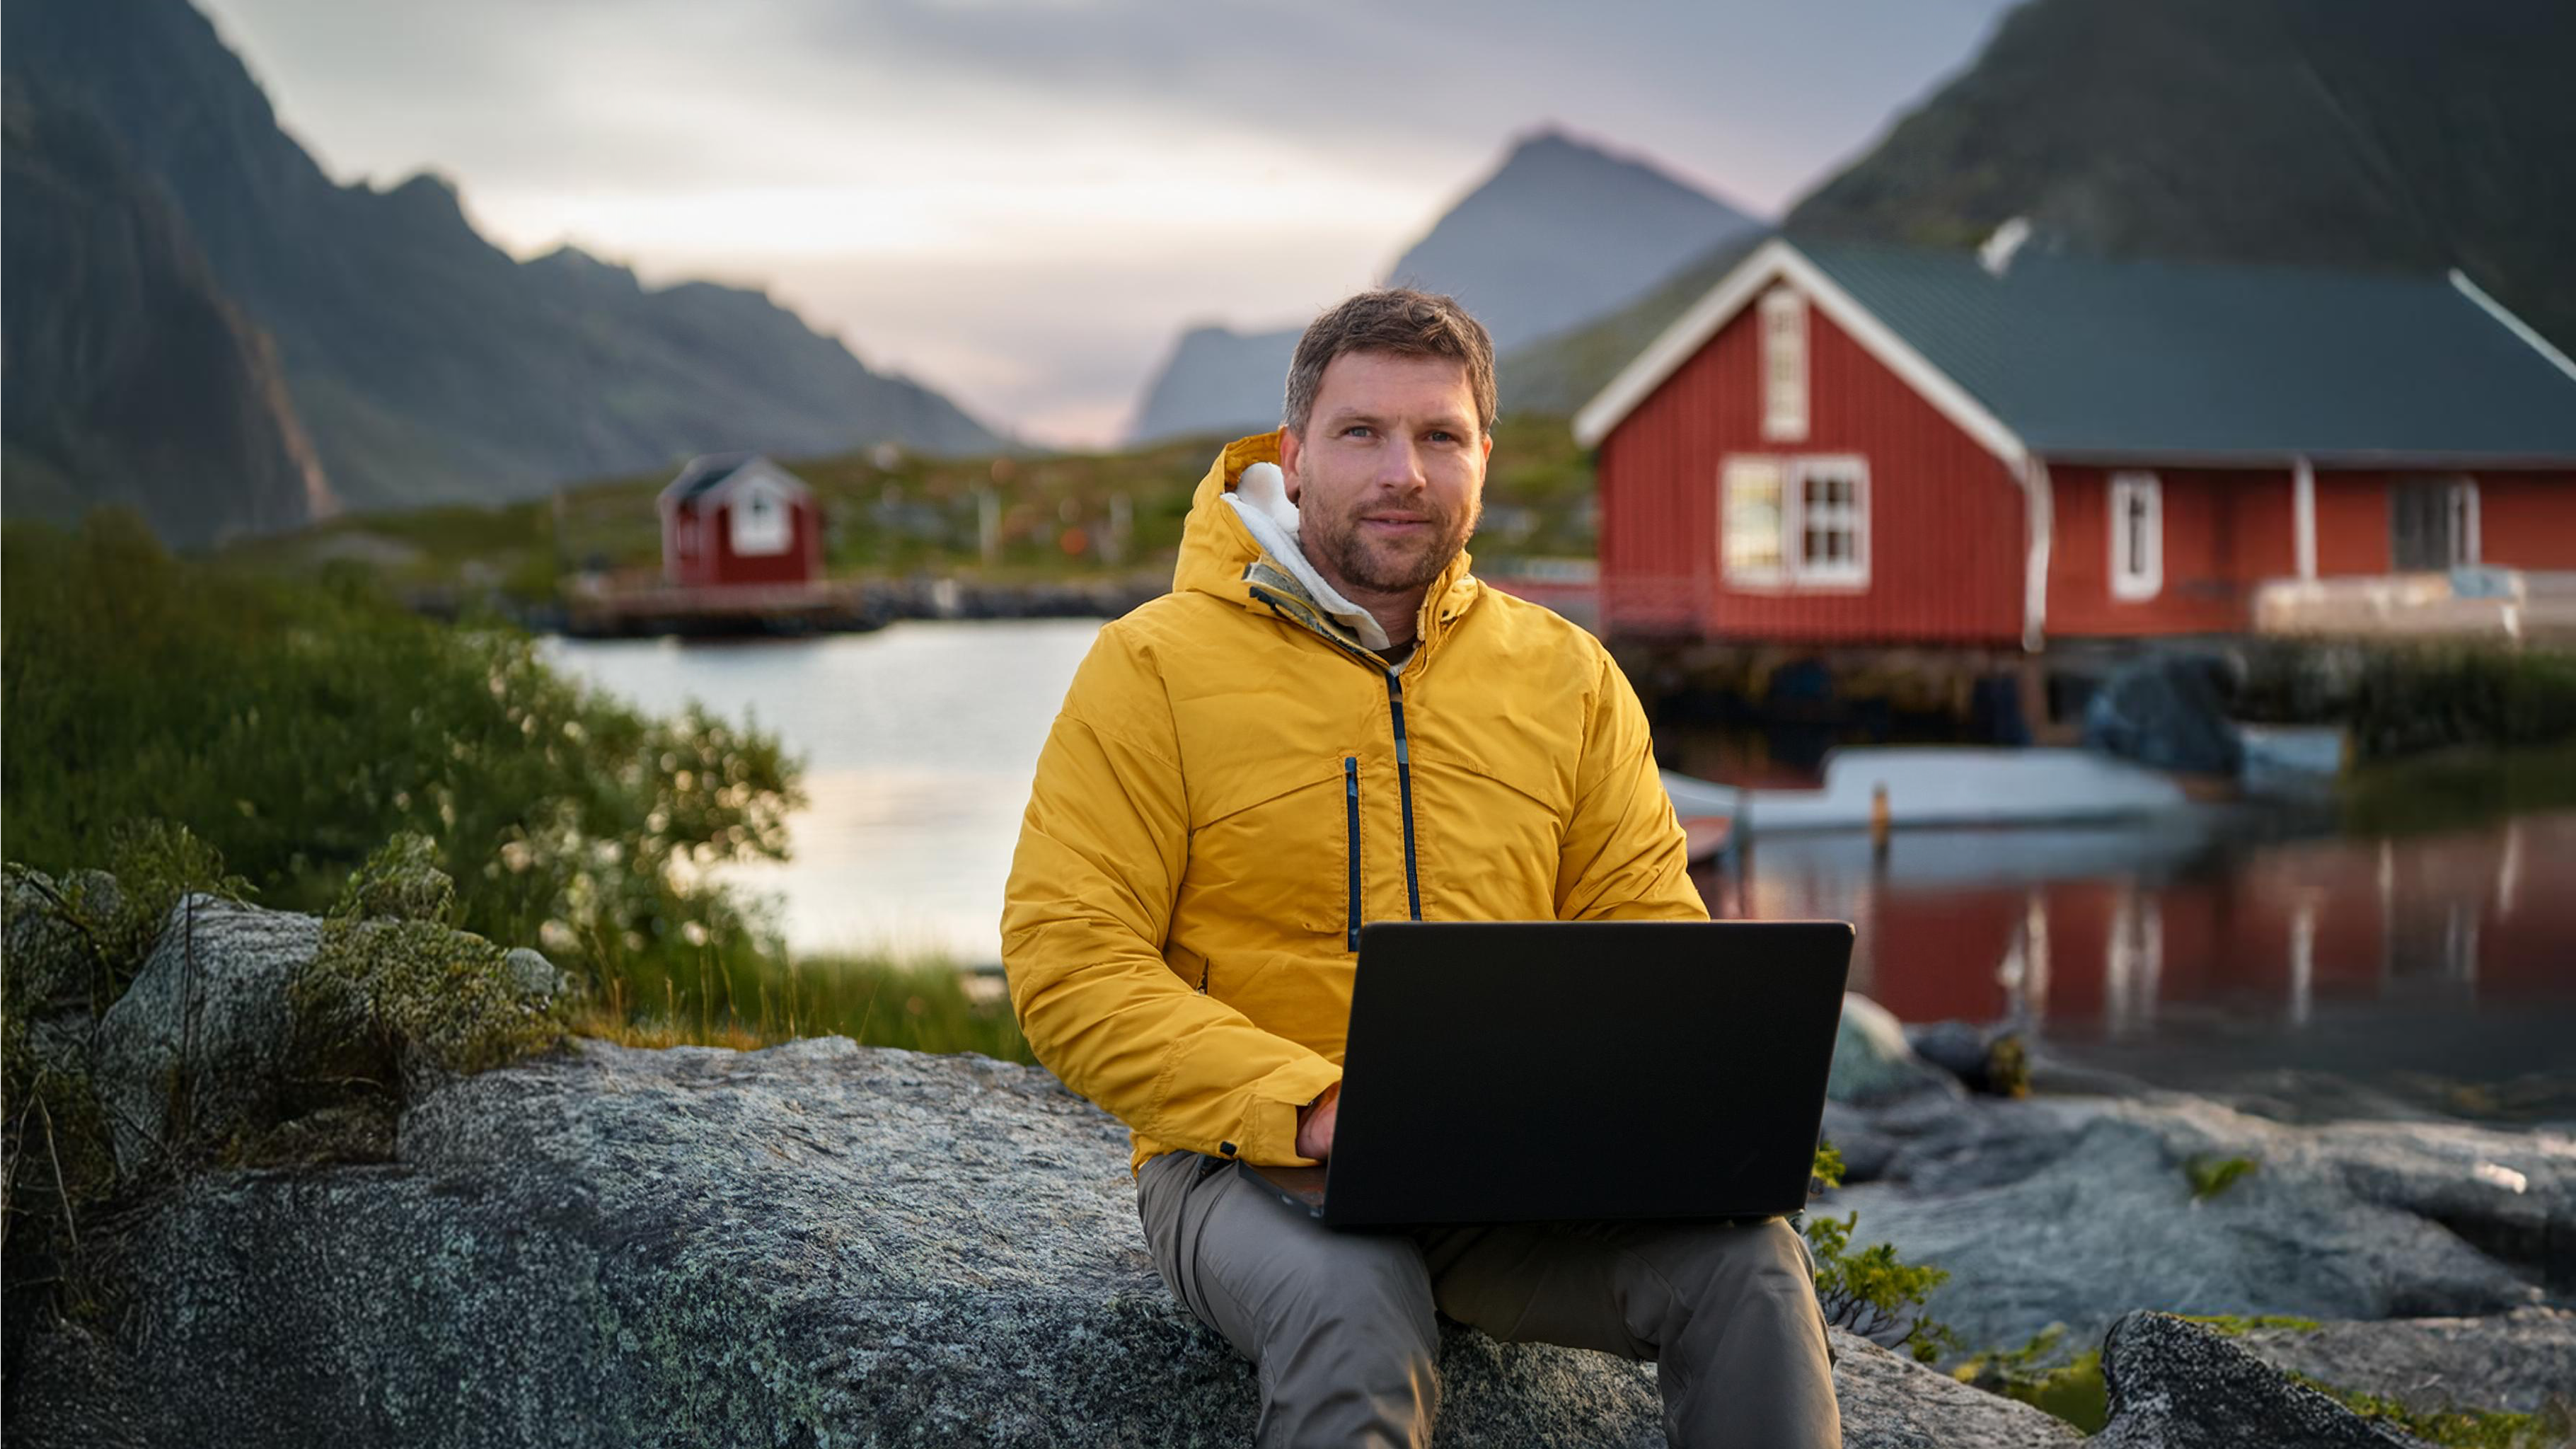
1388 566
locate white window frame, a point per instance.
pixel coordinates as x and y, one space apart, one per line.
2139 584
1785 371
1789 475
1853 572
754 535
2467 548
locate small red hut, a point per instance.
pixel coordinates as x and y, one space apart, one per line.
1850 445
738 518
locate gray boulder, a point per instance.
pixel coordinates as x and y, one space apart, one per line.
817 1244
2167 713
2520 1362
2074 1212
2176 1385
197 1044
1873 1063
43 945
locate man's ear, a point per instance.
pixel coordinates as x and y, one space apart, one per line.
1290 450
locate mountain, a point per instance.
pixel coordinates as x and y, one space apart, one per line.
1561 372
2353 133
1560 233
128 376
426 364
1218 380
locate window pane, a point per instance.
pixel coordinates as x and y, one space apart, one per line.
1752 519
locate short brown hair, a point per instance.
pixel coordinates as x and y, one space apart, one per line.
1399 320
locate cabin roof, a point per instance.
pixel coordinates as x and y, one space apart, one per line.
2077 357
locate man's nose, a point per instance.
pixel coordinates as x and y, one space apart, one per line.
1400 467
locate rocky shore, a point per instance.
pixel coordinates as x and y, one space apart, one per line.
827 1244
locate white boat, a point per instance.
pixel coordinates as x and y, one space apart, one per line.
1940 785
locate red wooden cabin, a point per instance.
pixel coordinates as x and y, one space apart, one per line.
738 518
1862 445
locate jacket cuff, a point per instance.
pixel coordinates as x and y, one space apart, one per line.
1270 1119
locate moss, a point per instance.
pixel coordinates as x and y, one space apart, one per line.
2237 1325
402 882
2457 1428
2073 1391
2211 1175
393 987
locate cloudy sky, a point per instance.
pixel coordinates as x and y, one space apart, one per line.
1021 202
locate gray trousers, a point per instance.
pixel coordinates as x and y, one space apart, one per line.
1340 1325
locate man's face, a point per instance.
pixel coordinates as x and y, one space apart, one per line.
1389 478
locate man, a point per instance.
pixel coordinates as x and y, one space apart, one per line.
1329 720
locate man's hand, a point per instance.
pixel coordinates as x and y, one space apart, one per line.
1315 1124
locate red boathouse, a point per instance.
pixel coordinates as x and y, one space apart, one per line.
1849 445
738 518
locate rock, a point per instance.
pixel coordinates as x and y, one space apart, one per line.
1986 1060
47 953
2167 713
2076 1212
533 974
196 1045
242 1019
2176 1385
1872 1063
2513 1362
817 1244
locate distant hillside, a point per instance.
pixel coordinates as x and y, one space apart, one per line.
1559 234
426 364
129 377
2385 133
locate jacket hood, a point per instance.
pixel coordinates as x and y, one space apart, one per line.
1219 556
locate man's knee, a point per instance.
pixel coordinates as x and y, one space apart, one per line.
1368 1285
1737 1268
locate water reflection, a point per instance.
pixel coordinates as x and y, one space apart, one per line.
2113 938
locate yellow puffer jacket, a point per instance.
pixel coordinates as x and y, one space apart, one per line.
1234 785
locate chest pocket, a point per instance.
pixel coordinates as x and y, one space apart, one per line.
1271 847
1491 794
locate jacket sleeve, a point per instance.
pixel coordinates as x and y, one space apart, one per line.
1102 850
1624 856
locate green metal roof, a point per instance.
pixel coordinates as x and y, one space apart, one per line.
2088 358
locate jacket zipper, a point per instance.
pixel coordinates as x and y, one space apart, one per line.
1351 817
1404 788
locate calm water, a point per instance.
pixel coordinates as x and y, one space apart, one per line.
918 740
2223 950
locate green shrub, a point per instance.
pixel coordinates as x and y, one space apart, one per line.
296 726
1871 1292
393 987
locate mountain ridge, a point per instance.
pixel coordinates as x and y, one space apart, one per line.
1558 232
2369 136
426 364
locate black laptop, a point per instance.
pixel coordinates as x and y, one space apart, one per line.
1512 1071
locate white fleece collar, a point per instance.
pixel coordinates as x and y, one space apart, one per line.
1260 498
